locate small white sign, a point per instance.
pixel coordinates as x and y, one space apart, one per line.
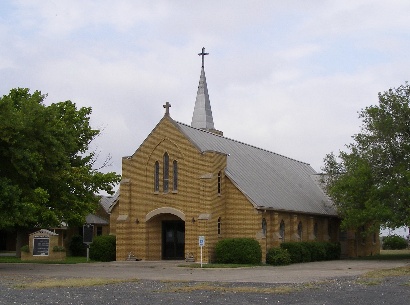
201 241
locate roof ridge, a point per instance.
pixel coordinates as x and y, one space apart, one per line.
240 142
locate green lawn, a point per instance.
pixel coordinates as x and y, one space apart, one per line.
390 255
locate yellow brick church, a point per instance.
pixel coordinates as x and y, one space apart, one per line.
186 181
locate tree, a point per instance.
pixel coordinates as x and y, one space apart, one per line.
46 170
370 183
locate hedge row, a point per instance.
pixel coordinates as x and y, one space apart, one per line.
299 252
394 242
238 251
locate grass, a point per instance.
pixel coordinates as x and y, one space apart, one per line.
376 277
199 286
197 265
68 260
377 274
71 282
388 255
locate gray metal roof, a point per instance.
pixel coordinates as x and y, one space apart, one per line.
97 220
107 201
267 179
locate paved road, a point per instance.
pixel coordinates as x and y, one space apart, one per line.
331 283
177 270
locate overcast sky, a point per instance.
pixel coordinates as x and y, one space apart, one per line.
286 76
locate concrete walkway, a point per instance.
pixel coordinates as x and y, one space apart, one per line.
180 271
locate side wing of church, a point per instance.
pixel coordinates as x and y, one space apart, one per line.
189 181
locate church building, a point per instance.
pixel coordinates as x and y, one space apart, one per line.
189 181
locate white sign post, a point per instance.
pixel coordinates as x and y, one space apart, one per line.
201 244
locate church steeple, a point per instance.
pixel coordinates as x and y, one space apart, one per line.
202 117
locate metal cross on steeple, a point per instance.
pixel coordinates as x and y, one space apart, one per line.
203 55
167 106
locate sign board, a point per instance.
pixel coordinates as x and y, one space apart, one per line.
41 245
88 232
201 241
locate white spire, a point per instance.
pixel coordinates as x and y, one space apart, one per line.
202 117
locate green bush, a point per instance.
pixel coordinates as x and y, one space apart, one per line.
301 252
25 248
58 249
77 247
278 257
333 251
317 250
238 251
103 248
297 251
394 242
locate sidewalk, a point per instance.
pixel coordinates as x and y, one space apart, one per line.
180 271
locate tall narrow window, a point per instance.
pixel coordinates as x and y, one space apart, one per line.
282 230
315 230
329 229
264 227
219 226
166 173
300 231
362 234
175 175
156 177
219 183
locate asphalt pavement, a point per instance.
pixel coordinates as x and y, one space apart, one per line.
181 271
176 282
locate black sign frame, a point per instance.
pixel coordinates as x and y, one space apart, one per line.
41 245
88 233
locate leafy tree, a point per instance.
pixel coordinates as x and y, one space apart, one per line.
46 169
370 183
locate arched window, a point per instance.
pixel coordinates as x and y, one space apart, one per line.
315 230
219 226
300 230
175 175
166 173
282 230
264 227
156 177
219 183
329 229
362 234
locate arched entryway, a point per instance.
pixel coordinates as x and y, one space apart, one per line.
165 228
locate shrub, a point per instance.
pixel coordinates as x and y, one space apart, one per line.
333 251
58 249
298 253
25 248
103 248
238 251
317 250
312 251
278 257
394 242
306 255
77 247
